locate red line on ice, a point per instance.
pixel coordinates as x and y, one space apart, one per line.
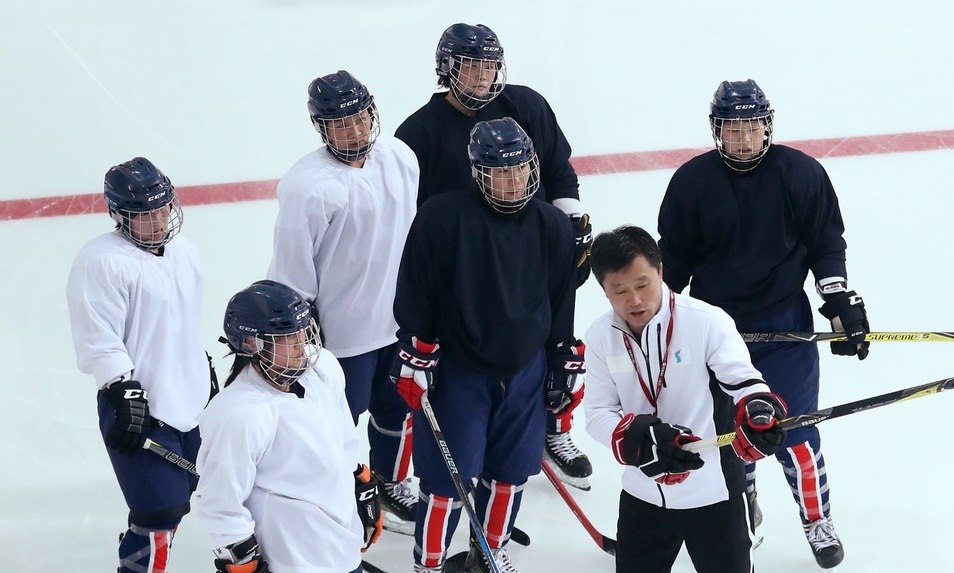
585 165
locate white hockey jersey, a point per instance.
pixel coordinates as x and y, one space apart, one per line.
708 370
131 310
282 467
338 240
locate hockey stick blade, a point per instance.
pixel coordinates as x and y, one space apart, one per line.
840 336
820 416
607 544
170 456
371 568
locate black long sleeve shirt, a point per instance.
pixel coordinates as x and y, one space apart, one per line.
494 289
747 241
438 133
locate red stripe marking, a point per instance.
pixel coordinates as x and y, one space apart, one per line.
585 165
807 481
498 508
405 448
435 529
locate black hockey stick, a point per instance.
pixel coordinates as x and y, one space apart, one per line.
820 416
371 568
607 544
837 336
475 525
170 456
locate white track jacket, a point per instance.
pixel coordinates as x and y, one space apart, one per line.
339 237
708 371
282 467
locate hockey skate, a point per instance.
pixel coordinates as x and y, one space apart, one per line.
824 541
571 464
423 569
399 504
477 561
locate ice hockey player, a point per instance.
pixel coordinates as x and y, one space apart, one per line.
665 370
135 304
343 215
472 77
281 486
485 307
745 223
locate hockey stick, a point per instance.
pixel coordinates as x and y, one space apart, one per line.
819 416
607 544
170 456
371 568
475 525
835 336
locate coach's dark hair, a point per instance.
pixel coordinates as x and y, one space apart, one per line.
614 250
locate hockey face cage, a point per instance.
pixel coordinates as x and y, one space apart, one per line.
150 229
350 138
509 189
284 358
476 82
742 142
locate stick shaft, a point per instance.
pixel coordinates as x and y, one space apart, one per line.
839 336
820 416
607 544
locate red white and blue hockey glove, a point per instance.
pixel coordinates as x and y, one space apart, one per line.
757 434
413 370
133 422
369 508
564 384
653 446
846 311
240 557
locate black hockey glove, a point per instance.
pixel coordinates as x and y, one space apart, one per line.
241 557
846 311
369 509
133 423
564 381
757 434
653 446
584 240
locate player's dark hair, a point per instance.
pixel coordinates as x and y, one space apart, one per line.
614 250
239 363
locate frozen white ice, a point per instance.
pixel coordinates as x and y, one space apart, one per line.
214 92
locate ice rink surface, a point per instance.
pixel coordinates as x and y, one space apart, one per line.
214 92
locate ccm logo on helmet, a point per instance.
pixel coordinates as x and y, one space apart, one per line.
511 153
347 103
156 196
302 315
745 106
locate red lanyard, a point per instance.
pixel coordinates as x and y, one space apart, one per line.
653 397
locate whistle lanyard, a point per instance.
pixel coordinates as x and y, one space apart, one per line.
653 397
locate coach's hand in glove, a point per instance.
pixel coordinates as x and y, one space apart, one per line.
653 446
369 508
413 370
757 434
846 311
133 423
564 381
584 240
240 557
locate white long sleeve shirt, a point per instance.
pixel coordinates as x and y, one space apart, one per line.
131 310
281 467
339 237
708 371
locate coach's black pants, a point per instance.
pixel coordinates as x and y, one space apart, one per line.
716 536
